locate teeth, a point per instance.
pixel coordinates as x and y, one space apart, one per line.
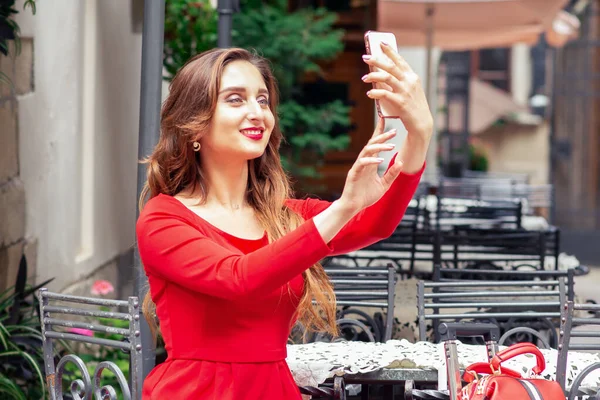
253 132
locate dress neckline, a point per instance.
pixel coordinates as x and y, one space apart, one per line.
213 227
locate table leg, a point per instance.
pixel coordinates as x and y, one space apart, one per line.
388 392
364 392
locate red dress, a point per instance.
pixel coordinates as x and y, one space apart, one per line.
223 302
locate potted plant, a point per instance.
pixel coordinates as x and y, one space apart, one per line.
21 357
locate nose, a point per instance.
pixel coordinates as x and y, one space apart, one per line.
255 111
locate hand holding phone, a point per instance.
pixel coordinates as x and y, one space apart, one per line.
373 40
398 93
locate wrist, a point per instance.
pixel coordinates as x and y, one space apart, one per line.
414 153
420 136
345 209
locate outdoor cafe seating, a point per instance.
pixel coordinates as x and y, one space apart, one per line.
480 257
470 259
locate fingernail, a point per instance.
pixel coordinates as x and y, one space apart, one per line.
385 44
393 131
379 159
366 57
364 78
369 93
391 145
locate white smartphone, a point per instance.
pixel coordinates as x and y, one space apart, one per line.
373 41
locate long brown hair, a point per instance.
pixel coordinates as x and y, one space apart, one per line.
185 117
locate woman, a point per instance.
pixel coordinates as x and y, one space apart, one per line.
233 261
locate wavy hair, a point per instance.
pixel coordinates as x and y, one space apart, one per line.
173 166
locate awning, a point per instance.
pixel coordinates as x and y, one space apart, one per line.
470 24
488 104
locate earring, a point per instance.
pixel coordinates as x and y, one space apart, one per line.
196 146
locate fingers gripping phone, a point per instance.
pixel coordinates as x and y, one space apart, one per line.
373 41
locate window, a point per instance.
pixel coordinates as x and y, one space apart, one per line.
492 66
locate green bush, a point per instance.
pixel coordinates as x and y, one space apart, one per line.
478 159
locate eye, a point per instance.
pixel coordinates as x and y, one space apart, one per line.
234 99
263 101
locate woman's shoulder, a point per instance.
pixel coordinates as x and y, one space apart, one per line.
161 203
163 206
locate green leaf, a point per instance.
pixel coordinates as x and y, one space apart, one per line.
10 389
4 336
36 367
31 4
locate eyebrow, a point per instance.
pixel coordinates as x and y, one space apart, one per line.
242 89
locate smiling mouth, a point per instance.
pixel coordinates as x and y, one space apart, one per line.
254 134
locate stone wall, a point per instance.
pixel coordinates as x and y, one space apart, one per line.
13 241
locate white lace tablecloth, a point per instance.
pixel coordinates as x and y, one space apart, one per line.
565 261
458 205
311 364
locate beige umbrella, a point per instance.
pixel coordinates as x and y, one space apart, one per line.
468 24
471 24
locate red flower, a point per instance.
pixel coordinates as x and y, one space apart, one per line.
81 331
102 288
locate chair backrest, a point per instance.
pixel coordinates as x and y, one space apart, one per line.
504 303
360 288
61 314
460 210
401 247
446 274
476 248
497 188
579 334
516 177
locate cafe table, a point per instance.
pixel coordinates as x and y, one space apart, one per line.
397 361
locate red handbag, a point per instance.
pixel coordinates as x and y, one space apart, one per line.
501 383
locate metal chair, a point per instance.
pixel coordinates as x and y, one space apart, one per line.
515 177
489 249
401 246
484 205
495 249
539 195
55 323
359 288
337 392
566 343
445 274
500 302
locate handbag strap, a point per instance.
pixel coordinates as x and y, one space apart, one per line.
518 349
485 368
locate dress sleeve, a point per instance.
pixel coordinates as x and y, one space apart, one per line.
372 224
174 250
